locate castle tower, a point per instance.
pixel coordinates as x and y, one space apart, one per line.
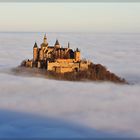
35 52
45 40
77 55
68 45
41 54
44 45
57 45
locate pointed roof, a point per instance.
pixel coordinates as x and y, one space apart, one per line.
45 43
68 45
77 50
35 45
45 37
57 42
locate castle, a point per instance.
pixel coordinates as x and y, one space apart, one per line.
56 58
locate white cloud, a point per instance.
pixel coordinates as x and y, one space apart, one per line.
77 109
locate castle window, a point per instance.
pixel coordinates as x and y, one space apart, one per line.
71 54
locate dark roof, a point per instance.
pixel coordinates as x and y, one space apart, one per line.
61 49
43 44
57 42
77 50
35 45
70 50
45 37
50 46
68 45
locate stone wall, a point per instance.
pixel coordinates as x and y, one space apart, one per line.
63 69
83 66
41 54
77 56
29 63
35 54
51 65
63 66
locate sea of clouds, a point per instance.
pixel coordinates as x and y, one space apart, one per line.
39 107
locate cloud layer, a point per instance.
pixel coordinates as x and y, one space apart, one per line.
90 106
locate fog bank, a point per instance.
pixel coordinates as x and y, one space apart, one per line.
105 108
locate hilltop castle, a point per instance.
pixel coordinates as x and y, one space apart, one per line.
56 58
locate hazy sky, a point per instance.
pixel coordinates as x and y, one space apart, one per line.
78 17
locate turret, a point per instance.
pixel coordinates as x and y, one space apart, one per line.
41 55
57 45
35 52
45 40
77 55
68 45
45 43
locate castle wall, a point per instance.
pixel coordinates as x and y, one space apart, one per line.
35 54
77 56
62 66
51 65
83 66
39 64
63 69
29 63
41 54
65 60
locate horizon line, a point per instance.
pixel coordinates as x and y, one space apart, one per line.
70 1
69 32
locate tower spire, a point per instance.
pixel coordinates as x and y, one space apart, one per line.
68 45
35 45
57 42
45 36
45 39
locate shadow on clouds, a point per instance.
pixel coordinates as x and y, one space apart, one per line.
25 125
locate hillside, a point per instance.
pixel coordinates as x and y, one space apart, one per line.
95 72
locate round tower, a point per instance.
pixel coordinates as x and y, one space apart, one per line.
41 54
77 55
35 52
45 43
57 45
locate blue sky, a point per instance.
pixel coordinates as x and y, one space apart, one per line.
70 17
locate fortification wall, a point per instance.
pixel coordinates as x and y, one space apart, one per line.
51 65
29 63
63 69
63 66
35 54
84 66
65 60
